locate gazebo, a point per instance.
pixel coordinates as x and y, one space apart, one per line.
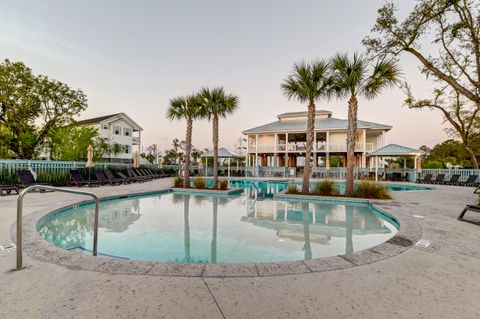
222 153
395 150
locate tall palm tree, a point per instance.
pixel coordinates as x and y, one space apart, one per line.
217 103
187 108
354 77
307 83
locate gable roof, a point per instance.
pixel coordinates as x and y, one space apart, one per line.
395 150
113 117
320 124
222 153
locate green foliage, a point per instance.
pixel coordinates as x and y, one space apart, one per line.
7 177
70 143
450 152
292 190
326 188
371 190
223 184
31 107
178 182
53 178
199 183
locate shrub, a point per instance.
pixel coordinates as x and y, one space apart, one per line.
326 188
178 182
199 183
372 190
292 190
223 185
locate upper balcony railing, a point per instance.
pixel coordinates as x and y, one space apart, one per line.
136 140
300 147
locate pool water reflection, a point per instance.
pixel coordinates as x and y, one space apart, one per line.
235 229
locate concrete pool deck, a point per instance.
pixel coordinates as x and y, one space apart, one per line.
441 281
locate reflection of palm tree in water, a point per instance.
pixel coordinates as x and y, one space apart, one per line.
306 232
213 251
349 229
186 230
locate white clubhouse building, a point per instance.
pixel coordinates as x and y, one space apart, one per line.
283 143
118 129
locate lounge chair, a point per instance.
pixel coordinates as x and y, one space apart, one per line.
111 176
471 181
8 189
76 179
127 178
27 179
439 179
406 178
102 179
142 174
426 179
453 180
131 175
472 208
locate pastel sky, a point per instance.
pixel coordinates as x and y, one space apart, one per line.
133 56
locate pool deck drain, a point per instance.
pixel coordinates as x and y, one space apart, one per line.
36 247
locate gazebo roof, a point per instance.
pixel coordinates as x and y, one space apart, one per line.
395 150
222 153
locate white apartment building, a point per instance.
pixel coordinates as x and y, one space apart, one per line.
117 129
283 143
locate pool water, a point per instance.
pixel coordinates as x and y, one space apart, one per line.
245 228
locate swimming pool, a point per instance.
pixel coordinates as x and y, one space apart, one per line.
245 228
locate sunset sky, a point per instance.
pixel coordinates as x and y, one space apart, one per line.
133 56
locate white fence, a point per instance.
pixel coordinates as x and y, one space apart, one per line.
52 166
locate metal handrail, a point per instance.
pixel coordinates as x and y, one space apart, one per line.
56 189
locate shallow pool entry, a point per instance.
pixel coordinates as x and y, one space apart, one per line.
248 228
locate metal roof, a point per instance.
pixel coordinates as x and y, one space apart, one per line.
395 150
320 124
106 117
222 153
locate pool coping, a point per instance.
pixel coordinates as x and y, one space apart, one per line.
36 247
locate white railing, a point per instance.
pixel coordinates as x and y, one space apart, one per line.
300 147
464 173
52 166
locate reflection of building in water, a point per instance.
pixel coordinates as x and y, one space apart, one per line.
70 230
118 215
325 220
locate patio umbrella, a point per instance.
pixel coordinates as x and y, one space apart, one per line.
136 160
160 162
89 156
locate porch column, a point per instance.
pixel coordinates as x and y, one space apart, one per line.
275 151
229 167
376 168
383 139
286 149
327 151
364 140
256 150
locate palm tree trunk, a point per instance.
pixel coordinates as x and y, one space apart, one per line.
308 154
351 136
188 150
215 151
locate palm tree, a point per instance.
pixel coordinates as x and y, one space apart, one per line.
188 108
217 103
359 77
307 83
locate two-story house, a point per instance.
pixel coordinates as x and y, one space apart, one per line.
120 130
283 143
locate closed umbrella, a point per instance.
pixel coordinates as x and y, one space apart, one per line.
136 160
160 162
89 156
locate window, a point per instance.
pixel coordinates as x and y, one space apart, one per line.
117 130
105 126
126 148
127 131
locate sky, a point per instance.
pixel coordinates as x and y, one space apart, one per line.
133 56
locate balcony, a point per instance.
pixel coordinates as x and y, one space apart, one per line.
300 148
135 140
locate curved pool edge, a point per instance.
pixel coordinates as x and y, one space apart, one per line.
36 247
